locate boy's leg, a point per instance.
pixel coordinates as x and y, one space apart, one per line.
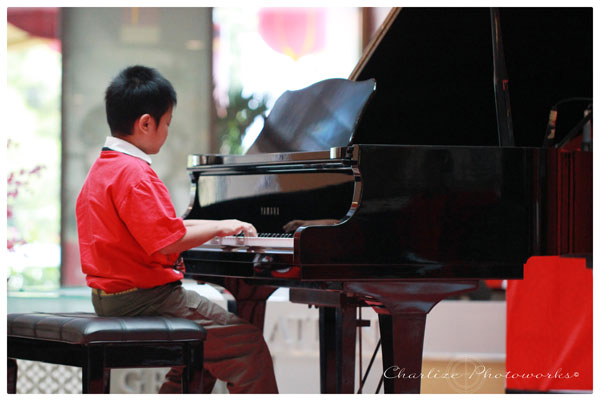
234 350
172 383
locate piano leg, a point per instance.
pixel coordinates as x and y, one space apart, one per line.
402 324
402 351
337 341
337 336
327 349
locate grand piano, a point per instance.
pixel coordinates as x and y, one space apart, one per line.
411 181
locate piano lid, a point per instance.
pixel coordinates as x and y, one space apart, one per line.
434 71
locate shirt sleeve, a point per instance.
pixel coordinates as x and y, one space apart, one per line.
148 213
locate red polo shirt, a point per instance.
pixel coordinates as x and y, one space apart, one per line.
124 217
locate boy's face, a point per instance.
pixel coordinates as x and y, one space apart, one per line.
157 134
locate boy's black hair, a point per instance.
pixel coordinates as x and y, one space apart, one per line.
136 91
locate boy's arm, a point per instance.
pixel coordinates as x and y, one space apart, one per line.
200 231
191 222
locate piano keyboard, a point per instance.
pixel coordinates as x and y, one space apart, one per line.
269 240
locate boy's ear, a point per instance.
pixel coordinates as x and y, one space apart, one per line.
144 123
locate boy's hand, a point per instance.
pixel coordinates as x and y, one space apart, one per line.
293 225
200 231
230 227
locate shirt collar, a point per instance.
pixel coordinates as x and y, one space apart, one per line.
123 146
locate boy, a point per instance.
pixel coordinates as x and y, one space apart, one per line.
130 237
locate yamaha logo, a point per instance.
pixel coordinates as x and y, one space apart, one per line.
269 211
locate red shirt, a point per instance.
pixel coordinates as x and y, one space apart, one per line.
124 217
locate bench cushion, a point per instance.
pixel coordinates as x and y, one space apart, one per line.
88 328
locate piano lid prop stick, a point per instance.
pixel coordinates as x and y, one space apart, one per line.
503 112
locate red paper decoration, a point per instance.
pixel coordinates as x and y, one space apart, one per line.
294 32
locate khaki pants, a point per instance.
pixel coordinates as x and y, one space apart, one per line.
234 350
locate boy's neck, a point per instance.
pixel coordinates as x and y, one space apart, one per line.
133 140
126 146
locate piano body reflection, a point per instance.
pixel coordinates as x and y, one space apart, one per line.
408 183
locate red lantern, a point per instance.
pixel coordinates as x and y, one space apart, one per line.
294 32
37 21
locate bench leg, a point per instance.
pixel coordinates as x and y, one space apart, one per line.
106 380
191 379
11 371
94 377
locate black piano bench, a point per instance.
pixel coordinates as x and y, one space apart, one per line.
97 344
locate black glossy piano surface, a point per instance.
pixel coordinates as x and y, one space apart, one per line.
402 171
420 212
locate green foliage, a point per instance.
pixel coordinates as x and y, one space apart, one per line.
34 278
238 116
